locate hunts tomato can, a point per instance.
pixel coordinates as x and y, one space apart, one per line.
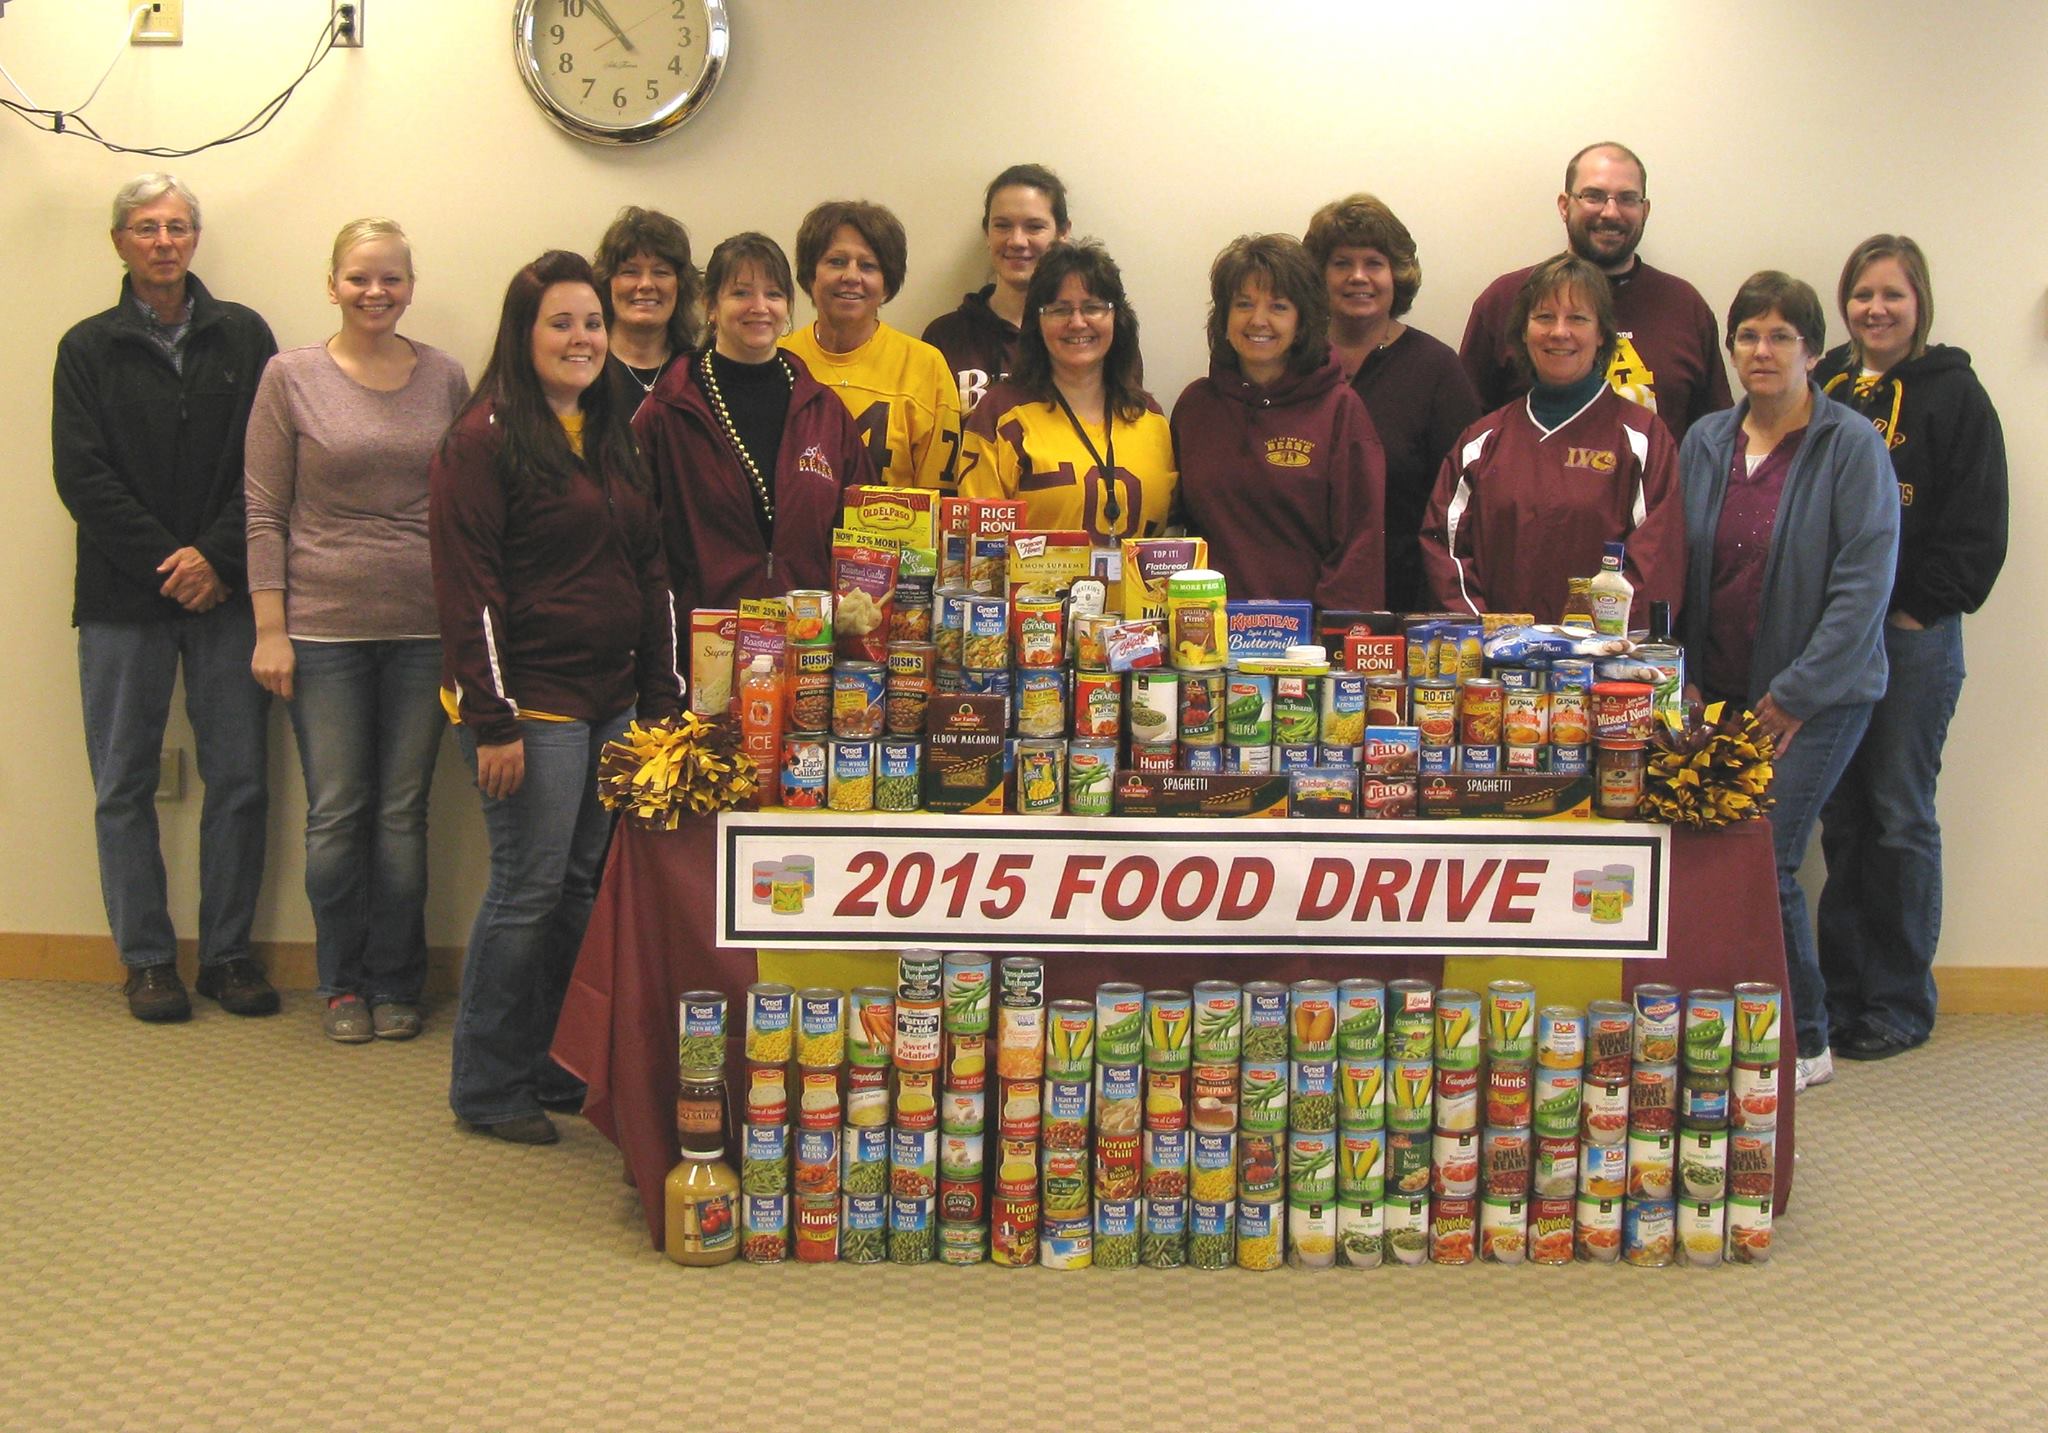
817 1229
1508 1095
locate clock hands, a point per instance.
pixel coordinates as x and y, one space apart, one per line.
612 25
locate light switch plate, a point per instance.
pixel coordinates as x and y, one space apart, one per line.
164 24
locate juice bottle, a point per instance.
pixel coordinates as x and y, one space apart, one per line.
702 1195
761 694
1612 593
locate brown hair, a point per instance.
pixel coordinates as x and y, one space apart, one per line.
1285 268
880 229
1029 176
1769 291
1914 262
742 251
1032 371
1556 275
650 232
1571 169
1361 221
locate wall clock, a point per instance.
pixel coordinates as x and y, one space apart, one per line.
620 71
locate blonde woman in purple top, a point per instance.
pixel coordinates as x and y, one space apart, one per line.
346 627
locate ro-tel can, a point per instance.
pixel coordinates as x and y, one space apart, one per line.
1407 1229
1603 1170
1504 1229
1560 1038
1169 1030
1312 1096
1457 1099
807 689
1386 701
1623 712
1758 1011
1218 1022
1039 632
804 768
817 1228
1341 710
1556 1172
1753 1098
1659 1012
850 784
1571 760
1361 1093
1702 1165
1213 1163
1361 1229
1312 1020
870 1025
1259 1231
1454 1230
918 1045
1116 1234
1013 1232
1749 1229
1212 1095
919 975
1703 1099
1312 1235
1297 711
1510 1095
1098 706
1610 1038
818 1105
771 1011
1510 1021
1653 1098
864 1161
1311 1166
1362 1165
1408 1164
963 1112
1361 1019
700 1028
1262 1097
1021 982
1411 1087
1164 1168
1165 1241
913 1163
1550 1231
1702 1232
1248 709
1649 1232
1454 1163
985 633
1457 1029
913 1230
767 1094
1201 709
1603 1110
1070 1040
911 667
859 690
1119 1023
1617 792
765 1219
1155 707
1265 1020
1212 1233
1066 1243
1752 1164
821 1031
764 1159
863 1228
1598 1229
1652 1164
1479 712
1412 1014
1041 777
898 773
1435 704
867 1096
1554 1102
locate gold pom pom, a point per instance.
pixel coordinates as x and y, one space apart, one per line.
1714 772
683 765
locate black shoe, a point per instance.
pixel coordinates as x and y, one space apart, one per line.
524 1129
157 995
568 1102
1874 1045
238 984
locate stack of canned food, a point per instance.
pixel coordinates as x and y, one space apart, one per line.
1314 1124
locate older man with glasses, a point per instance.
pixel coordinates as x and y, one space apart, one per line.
150 406
1668 354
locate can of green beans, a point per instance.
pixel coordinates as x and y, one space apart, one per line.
1412 1019
1219 1022
1360 1233
1265 1020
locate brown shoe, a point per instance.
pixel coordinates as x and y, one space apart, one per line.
238 984
156 994
523 1129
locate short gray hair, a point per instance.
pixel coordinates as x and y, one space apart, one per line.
147 189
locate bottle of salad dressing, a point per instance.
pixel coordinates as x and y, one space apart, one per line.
1612 594
702 1196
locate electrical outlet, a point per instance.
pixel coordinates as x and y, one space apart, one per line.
170 774
162 24
348 24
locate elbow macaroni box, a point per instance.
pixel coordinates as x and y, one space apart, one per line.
963 762
1259 627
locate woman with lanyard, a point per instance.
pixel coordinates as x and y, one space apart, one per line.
1072 433
650 292
749 453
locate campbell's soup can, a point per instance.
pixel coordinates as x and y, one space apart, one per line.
1753 1098
1659 1012
1759 1010
1703 1165
1406 1224
1653 1098
1749 1229
1556 1171
1361 1230
1361 1094
1610 1039
1598 1229
1603 1111
1649 1232
1555 1101
1260 1230
1561 1037
1361 1164
1550 1231
1603 1170
1454 1230
1503 1229
1411 1088
1454 1163
1509 1092
1457 1029
1504 1156
1652 1165
1408 1164
1457 1099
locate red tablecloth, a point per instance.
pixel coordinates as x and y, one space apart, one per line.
651 938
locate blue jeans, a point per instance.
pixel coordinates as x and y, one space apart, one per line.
1880 912
126 672
548 842
1805 774
369 722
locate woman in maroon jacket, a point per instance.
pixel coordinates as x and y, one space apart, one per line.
749 453
556 621
1279 466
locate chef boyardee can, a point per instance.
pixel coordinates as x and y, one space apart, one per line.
1457 1030
1119 1023
1265 1020
1758 1011
1361 1019
1598 1231
1510 1021
1412 1015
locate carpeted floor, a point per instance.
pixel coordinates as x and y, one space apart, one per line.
234 1223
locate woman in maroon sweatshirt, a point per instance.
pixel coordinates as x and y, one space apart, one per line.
1279 466
749 453
556 621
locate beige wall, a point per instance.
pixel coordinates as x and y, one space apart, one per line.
1776 136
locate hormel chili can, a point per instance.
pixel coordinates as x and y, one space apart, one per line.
1457 1100
1550 1231
1556 1173
1653 1098
1508 1095
1454 1231
1117 1164
1610 1039
1504 1161
1013 1233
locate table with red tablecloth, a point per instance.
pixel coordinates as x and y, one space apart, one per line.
653 935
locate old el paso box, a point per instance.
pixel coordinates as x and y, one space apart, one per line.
963 761
1267 628
1545 793
907 513
1188 793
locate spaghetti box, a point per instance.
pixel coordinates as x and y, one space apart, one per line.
1550 793
1385 798
1330 791
1260 627
1391 750
963 764
1374 655
1187 793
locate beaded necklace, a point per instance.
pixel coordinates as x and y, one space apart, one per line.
732 432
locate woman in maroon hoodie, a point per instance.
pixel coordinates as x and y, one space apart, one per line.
750 453
556 623
1279 466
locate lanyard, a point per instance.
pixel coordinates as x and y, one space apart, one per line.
1111 512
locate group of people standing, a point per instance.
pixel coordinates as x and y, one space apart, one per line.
520 559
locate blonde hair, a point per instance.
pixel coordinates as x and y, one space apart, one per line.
362 231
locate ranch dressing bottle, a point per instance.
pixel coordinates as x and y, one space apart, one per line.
1612 593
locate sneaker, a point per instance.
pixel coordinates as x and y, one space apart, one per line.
524 1129
1816 1071
395 1020
238 984
156 994
346 1019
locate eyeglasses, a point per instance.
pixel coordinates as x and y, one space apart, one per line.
1750 340
148 229
1627 201
1092 309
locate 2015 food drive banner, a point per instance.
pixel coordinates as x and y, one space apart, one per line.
843 882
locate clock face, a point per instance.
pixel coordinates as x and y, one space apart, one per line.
620 71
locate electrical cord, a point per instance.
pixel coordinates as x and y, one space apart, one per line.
71 122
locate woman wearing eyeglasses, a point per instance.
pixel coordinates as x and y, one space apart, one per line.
1072 433
1880 912
1792 530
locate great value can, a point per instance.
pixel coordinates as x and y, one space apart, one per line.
1116 1234
700 1027
1361 1094
850 782
1164 1244
1598 1229
1260 1228
1758 1014
1652 1165
1659 1012
1165 1166
1555 1100
863 1228
1212 1233
1361 1230
771 1013
1412 1019
1550 1231
1265 1020
898 767
1561 1037
1119 1023
1457 1029
1341 712
1454 1163
1213 1160
764 1166
821 1034
1218 1022
765 1220
1312 1095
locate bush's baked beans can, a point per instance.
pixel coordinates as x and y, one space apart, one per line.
1652 1165
1212 1233
1362 1165
1457 1100
764 1221
1164 1244
1454 1230
1703 1165
1408 1164
1659 1014
1749 1229
1503 1229
1411 1087
1603 1111
1653 1098
1556 1172
1550 1231
1457 1029
1753 1098
1759 1010
1454 1163
1561 1037
1361 1094
1610 1039
1361 1233
1261 1228
1505 1162
1406 1224
1603 1170
1597 1229
1509 1093
1649 1232
1555 1101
